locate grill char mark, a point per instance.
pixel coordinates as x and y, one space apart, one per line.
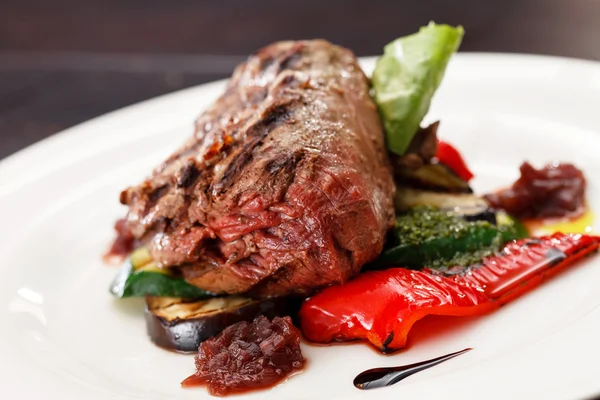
284 162
291 61
189 174
292 160
155 195
271 119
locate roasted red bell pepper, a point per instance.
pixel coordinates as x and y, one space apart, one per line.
450 157
382 306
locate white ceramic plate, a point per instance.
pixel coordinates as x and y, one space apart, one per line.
63 336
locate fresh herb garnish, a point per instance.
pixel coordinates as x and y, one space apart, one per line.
407 75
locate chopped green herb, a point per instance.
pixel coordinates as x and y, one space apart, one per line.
427 237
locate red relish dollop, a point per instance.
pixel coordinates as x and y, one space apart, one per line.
248 356
554 191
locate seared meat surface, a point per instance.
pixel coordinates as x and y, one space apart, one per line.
285 185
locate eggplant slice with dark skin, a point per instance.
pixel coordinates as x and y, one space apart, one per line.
434 177
466 205
181 325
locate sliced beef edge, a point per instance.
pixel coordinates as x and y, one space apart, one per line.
285 185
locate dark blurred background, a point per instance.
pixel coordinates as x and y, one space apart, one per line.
65 61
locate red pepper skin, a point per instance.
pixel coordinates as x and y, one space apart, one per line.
382 306
450 157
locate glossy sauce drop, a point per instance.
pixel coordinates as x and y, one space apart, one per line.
381 377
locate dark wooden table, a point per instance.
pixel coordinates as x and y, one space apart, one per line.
63 62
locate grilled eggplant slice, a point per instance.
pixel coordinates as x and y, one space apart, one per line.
468 206
181 325
434 177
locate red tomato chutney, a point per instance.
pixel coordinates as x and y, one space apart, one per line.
248 356
554 191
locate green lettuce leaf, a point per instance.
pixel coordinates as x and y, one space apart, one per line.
407 75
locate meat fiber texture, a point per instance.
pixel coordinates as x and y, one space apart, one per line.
285 186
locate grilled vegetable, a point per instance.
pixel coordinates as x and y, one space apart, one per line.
449 156
140 276
437 239
407 75
511 223
140 258
468 206
436 177
181 325
382 306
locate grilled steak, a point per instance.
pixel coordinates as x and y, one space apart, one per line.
285 185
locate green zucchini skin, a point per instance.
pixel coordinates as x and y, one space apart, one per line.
145 283
139 277
419 255
427 237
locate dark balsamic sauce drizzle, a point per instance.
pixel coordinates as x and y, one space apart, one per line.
381 377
